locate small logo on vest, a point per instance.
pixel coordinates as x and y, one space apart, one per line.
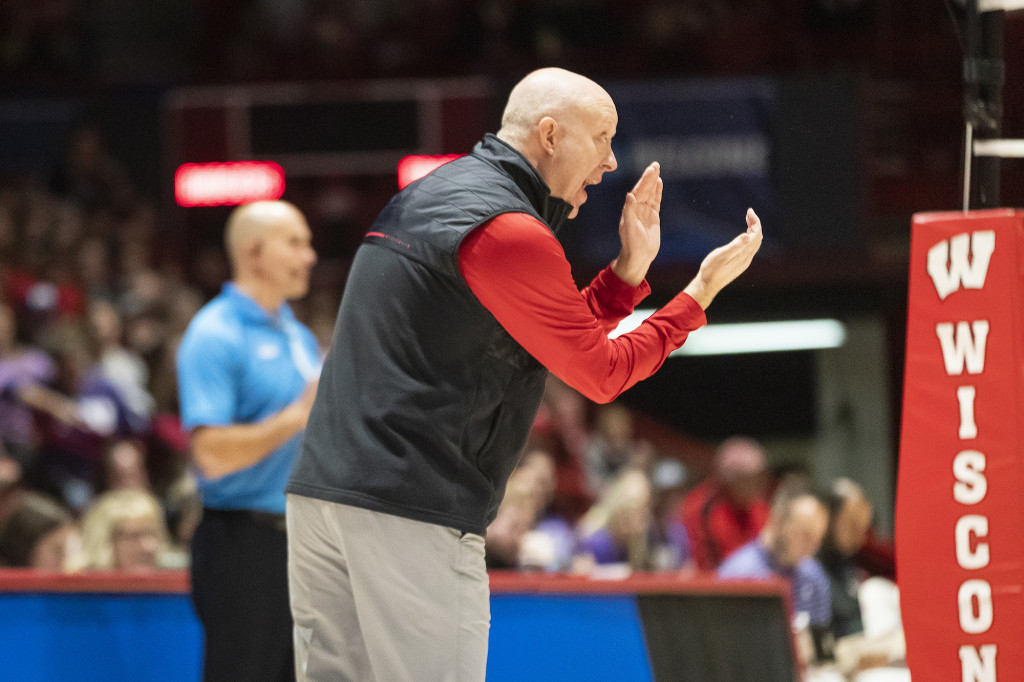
396 240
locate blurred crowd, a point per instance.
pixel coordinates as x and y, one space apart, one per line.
592 497
201 41
91 448
92 308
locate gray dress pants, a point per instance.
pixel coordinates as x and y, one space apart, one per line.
380 598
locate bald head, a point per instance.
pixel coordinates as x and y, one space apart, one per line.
271 252
737 457
549 92
250 224
563 123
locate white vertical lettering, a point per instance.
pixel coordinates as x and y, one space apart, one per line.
975 621
971 485
967 349
948 265
978 665
968 526
968 428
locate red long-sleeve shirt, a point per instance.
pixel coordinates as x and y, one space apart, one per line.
518 270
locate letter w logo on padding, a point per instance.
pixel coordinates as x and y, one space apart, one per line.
964 350
949 267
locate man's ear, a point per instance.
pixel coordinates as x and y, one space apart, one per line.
547 128
253 250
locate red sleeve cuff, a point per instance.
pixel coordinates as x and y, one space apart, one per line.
608 278
693 315
611 299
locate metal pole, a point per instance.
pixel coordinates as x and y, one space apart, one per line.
983 99
968 157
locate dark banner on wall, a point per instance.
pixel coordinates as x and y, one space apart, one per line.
713 141
787 148
960 508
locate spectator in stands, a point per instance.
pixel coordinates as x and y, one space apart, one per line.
144 309
848 529
526 534
79 418
612 447
183 304
670 543
94 268
785 548
560 428
169 447
549 543
616 530
37 281
21 366
516 515
124 466
123 530
39 533
856 597
787 473
730 508
122 367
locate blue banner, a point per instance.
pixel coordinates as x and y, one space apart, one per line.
713 139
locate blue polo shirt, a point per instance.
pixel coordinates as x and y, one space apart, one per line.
238 364
811 591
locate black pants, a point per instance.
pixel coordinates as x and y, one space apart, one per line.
240 593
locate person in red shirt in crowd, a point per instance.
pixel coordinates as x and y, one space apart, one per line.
728 509
560 428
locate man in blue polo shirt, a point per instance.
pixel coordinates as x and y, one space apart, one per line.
785 548
247 375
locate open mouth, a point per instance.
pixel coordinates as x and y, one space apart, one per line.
582 193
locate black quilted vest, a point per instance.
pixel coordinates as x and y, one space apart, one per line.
425 401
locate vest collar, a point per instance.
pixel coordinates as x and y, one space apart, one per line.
553 210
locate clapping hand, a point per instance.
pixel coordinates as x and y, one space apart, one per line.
640 227
726 263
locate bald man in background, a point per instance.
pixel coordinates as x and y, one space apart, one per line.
730 507
247 373
785 549
459 302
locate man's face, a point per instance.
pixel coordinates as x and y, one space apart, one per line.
583 153
745 489
136 545
801 532
286 257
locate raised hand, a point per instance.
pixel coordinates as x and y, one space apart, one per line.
640 227
726 263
